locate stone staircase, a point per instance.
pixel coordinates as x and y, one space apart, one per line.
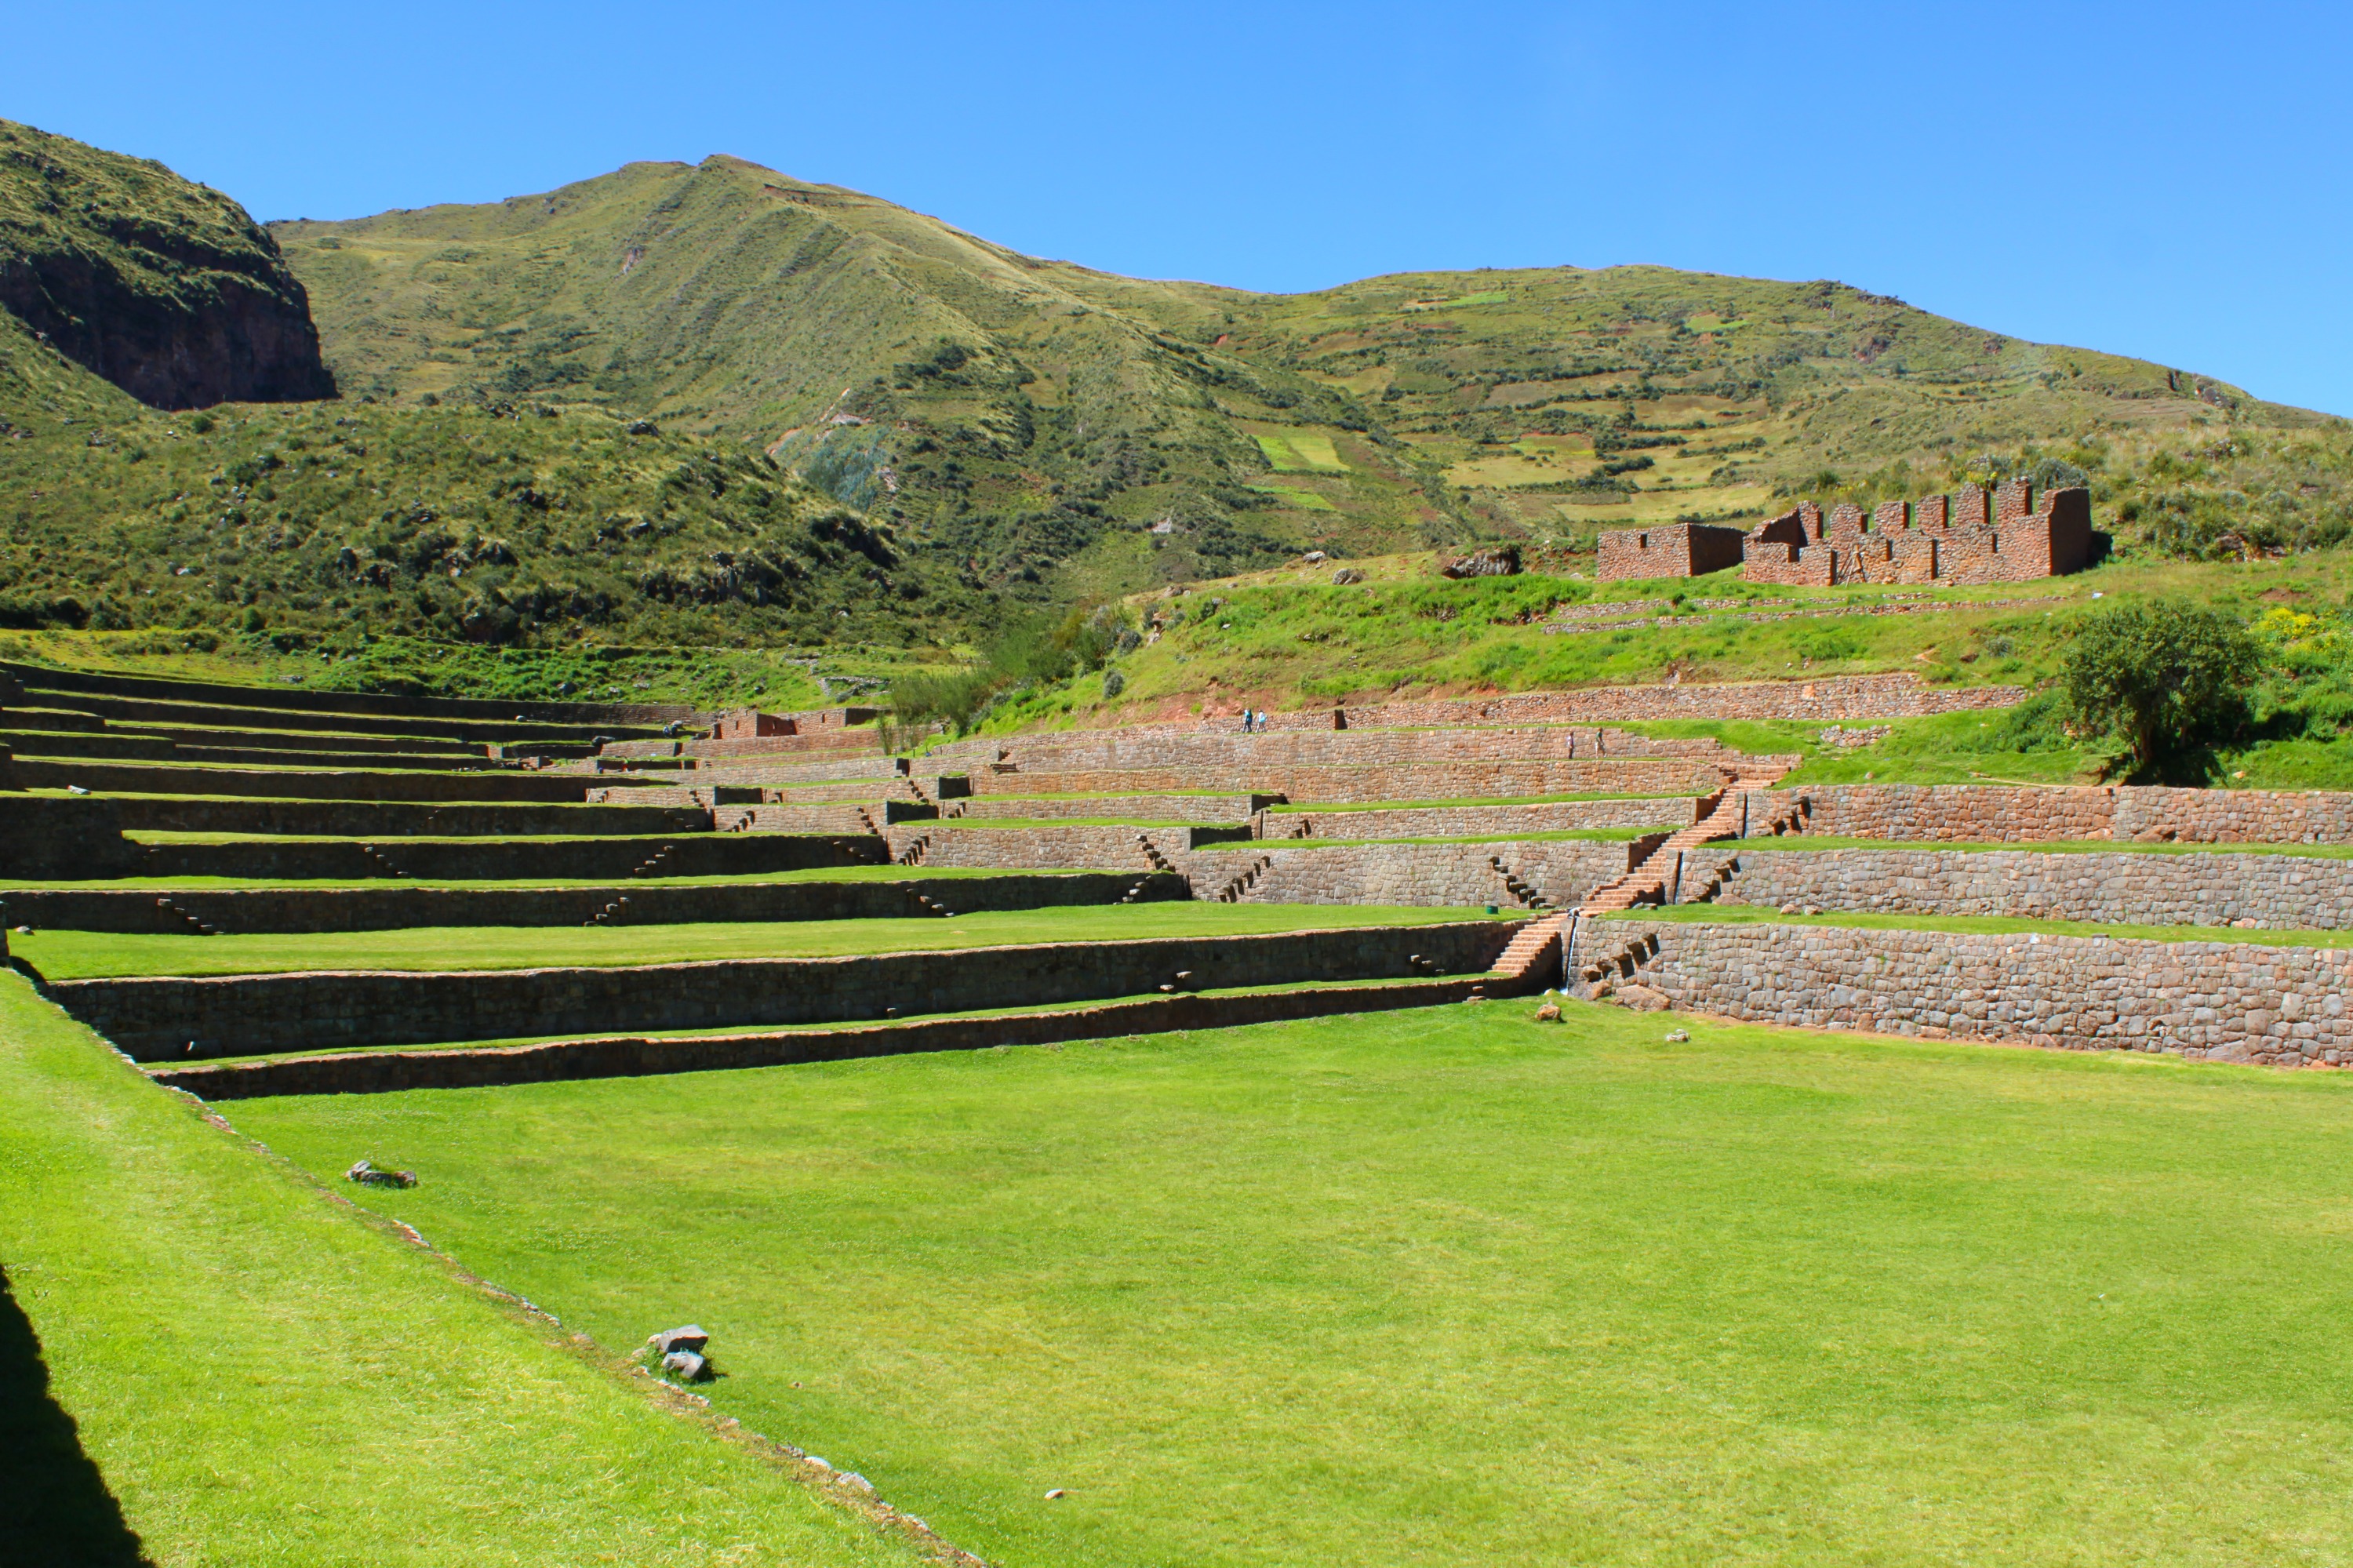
1729 815
1235 891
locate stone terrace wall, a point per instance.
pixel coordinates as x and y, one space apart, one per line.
1991 814
1443 876
1216 808
496 860
1497 821
1455 876
46 836
399 818
2216 1001
36 677
157 1018
290 909
1025 849
1163 746
117 777
1896 695
2272 890
1423 782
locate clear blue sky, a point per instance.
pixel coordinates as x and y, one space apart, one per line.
2156 179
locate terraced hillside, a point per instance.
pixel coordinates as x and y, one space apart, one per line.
1209 1063
1052 427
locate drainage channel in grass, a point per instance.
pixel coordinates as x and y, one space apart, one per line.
1977 925
89 955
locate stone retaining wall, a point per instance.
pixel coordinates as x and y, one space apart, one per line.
48 836
1993 814
1452 877
2215 1000
381 1072
158 1018
1162 746
1444 821
131 778
1416 781
399 818
2273 891
305 909
37 677
1220 809
1447 876
497 860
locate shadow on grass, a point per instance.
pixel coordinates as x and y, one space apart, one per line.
55 1510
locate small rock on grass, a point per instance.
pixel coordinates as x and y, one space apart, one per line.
1056 1492
689 1338
1677 1036
1640 997
686 1366
367 1175
1548 1014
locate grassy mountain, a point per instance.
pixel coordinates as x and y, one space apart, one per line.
129 291
1070 434
163 288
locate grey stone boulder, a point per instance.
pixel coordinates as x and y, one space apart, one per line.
686 1366
689 1338
367 1175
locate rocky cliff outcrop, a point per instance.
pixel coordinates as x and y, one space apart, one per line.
166 288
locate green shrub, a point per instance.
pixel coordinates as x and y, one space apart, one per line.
2165 676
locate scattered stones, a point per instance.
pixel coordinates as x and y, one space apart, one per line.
367 1175
679 1353
1497 561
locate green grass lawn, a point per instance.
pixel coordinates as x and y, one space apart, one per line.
203 1362
1982 925
82 954
1301 451
1449 1287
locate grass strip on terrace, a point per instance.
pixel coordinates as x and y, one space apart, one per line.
89 955
1979 925
202 1360
1449 1286
2063 846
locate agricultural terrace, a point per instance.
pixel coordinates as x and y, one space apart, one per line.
1558 1126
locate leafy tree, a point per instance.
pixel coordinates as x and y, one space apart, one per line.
2165 675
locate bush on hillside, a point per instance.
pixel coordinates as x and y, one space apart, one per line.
2165 676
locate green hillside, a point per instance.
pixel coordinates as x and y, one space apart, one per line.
1042 423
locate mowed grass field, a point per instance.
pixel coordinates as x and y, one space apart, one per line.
1453 1286
83 955
204 1361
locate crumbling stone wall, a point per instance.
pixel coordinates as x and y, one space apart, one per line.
493 860
158 1018
399 818
2276 892
2211 1001
130 777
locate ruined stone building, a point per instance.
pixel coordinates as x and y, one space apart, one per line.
1975 537
1940 539
1669 550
